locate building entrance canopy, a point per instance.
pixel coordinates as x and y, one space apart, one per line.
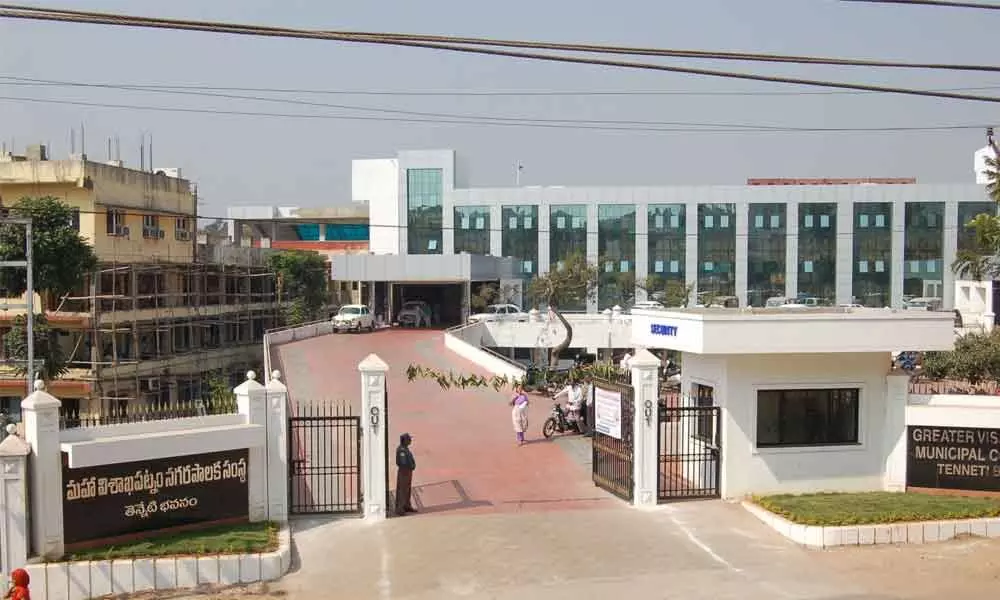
421 268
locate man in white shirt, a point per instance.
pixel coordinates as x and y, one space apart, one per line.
574 400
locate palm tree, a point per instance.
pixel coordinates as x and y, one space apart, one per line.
982 261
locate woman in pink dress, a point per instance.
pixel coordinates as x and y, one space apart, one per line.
519 413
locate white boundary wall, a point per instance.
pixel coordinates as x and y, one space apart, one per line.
260 426
493 364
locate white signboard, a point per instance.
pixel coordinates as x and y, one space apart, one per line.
608 413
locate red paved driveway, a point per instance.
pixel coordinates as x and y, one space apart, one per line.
467 457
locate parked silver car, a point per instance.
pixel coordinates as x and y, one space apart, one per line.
415 313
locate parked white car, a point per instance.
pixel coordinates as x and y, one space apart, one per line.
500 312
648 305
415 313
353 317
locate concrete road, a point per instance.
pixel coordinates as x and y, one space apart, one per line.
500 521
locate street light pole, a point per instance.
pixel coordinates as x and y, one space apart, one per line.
30 301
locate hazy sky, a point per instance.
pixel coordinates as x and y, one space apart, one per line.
240 160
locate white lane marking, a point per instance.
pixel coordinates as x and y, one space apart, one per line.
697 542
384 579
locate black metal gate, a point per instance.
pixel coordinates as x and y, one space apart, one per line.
690 451
324 456
613 444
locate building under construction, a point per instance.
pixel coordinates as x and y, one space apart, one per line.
164 319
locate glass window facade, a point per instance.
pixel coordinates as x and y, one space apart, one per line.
567 232
716 250
923 250
472 229
871 282
616 255
665 241
818 251
424 191
766 253
968 211
519 237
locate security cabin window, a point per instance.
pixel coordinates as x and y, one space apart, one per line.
820 417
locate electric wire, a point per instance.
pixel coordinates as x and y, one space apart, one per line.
31 13
692 128
473 119
473 93
566 47
934 3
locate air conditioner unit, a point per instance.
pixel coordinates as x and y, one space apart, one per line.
124 231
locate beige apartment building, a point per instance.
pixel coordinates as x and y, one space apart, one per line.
162 312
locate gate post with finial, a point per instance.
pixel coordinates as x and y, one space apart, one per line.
40 411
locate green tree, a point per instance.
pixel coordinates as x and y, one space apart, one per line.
621 288
61 260
575 282
975 359
669 292
981 261
50 361
303 282
61 257
493 293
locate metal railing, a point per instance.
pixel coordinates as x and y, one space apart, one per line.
72 417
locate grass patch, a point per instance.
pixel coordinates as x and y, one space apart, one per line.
225 539
876 507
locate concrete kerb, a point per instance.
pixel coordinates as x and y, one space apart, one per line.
82 580
921 532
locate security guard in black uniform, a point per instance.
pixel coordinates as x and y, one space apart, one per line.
405 465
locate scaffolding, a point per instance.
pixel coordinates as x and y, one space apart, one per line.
158 331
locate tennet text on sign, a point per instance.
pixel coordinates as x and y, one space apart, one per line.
657 329
961 458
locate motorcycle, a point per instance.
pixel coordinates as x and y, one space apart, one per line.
559 422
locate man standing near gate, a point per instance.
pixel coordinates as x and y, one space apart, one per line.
405 465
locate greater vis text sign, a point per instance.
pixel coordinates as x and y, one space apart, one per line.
115 500
955 458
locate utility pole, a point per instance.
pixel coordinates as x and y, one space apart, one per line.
29 295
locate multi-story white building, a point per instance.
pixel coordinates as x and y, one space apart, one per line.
872 241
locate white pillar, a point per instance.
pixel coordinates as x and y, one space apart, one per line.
13 501
251 402
791 250
741 276
894 434
277 449
40 412
593 251
373 440
646 422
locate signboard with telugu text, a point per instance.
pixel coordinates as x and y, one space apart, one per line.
115 500
954 458
608 412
